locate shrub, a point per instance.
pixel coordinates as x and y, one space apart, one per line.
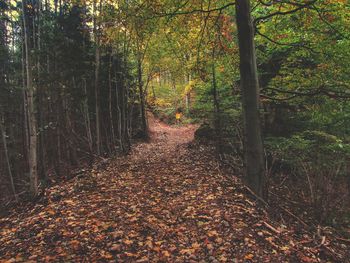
321 161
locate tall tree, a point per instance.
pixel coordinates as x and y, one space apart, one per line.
97 74
253 145
32 122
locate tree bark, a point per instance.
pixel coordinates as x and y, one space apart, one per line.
253 145
216 105
4 142
119 114
188 96
97 71
142 97
32 123
110 103
41 97
25 108
87 118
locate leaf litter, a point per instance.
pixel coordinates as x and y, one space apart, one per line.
167 201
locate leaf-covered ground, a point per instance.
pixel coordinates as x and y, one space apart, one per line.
167 201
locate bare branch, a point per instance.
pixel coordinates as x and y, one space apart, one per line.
195 11
295 44
300 6
321 91
313 7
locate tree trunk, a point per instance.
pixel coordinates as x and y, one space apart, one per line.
110 102
41 94
142 97
87 118
216 105
97 104
97 71
153 93
25 108
119 112
253 145
4 142
33 173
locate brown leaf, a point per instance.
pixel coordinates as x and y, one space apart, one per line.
308 259
116 247
75 244
166 253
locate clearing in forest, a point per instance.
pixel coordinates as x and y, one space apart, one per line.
167 201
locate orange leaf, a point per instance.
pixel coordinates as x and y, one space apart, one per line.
166 253
128 242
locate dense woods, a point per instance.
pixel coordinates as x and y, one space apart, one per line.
67 97
266 84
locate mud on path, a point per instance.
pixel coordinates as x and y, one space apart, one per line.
167 201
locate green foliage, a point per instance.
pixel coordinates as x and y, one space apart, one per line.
321 151
319 159
316 147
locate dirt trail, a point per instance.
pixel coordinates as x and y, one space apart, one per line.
167 201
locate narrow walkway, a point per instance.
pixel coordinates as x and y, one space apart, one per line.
167 201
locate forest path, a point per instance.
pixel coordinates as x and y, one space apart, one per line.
167 201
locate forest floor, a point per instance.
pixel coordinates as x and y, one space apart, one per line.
167 201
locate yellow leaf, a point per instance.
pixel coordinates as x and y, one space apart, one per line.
149 243
85 232
130 254
210 197
128 242
223 259
107 255
196 245
212 233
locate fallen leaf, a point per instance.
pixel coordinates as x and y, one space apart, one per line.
196 245
116 247
128 242
75 244
166 253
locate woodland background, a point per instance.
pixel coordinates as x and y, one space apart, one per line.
77 77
